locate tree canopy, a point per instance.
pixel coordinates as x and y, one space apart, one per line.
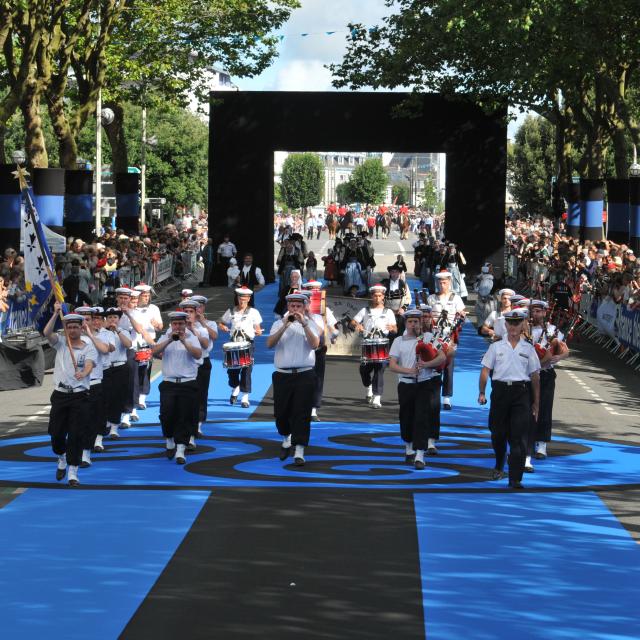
302 180
368 182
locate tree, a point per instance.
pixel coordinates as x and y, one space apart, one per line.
302 180
369 182
430 199
400 193
344 193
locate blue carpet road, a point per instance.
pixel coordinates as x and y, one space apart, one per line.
553 563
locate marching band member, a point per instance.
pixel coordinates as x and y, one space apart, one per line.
545 336
418 389
244 322
149 315
515 395
123 300
494 326
70 397
446 300
116 376
104 343
374 320
181 352
398 295
327 326
295 339
211 328
190 307
186 293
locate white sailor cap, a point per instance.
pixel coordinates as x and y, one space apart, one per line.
200 299
113 311
524 302
73 317
539 303
516 314
124 291
297 297
313 284
443 274
426 308
412 313
506 292
135 294
98 311
244 291
186 292
85 311
142 287
177 315
516 297
189 303
378 288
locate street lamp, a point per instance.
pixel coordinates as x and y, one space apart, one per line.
19 156
634 169
81 163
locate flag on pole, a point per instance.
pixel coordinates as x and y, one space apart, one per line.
41 284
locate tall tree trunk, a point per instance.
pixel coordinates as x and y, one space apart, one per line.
621 152
3 134
34 143
67 146
117 140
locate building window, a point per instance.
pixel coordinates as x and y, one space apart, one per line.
340 159
351 160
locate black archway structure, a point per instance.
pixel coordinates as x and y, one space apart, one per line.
247 127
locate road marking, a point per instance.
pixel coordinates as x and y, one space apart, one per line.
401 246
595 396
155 375
21 424
324 246
12 430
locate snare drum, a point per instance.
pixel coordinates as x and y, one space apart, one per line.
237 355
375 350
143 354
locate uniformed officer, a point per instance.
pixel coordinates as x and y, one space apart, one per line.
70 398
243 322
181 352
328 331
494 326
211 328
124 302
190 307
104 342
547 337
375 320
418 389
116 376
515 396
295 339
446 300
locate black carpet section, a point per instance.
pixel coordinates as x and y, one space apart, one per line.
291 564
344 396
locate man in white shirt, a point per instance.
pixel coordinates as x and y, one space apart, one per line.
69 414
494 326
226 250
181 353
446 300
514 368
375 321
418 389
295 339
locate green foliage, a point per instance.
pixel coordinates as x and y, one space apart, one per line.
302 180
430 199
531 165
369 181
400 193
344 193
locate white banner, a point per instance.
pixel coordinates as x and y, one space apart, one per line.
344 309
162 269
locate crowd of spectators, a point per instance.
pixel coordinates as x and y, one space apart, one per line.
540 254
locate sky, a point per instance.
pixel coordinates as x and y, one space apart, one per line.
301 63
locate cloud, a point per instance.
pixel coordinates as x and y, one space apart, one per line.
303 75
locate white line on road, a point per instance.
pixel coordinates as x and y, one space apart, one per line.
401 246
12 430
324 246
595 396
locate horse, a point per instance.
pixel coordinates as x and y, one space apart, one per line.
403 225
331 222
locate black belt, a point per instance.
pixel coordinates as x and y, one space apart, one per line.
516 383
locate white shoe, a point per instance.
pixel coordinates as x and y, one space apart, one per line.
192 444
133 416
541 450
418 463
298 456
369 394
113 432
125 421
431 447
244 403
286 442
62 462
376 402
446 402
200 432
97 445
181 457
142 401
72 476
86 459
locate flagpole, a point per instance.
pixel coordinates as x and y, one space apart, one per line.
21 175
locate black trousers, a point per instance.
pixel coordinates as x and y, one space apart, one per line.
142 380
179 410
129 400
97 416
321 361
241 377
509 420
292 403
419 403
67 423
373 374
202 379
545 413
115 383
447 378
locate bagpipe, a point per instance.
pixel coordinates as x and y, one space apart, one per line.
562 320
442 334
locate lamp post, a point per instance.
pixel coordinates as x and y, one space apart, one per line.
19 156
634 169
